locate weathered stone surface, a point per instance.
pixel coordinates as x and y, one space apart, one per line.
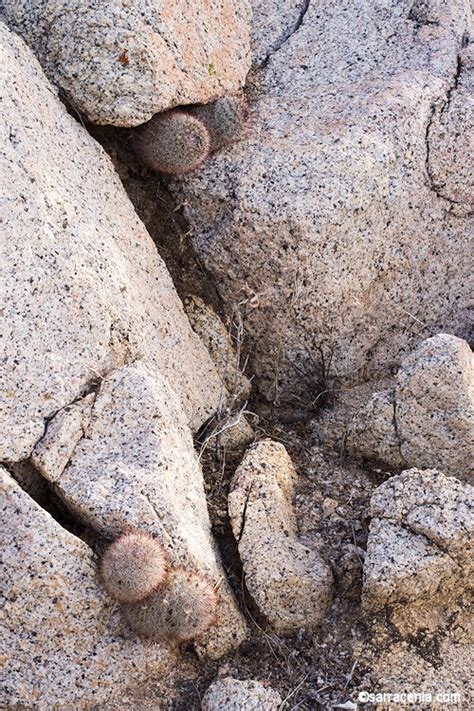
427 419
62 642
136 466
234 695
54 450
217 339
421 540
290 583
324 221
120 63
84 289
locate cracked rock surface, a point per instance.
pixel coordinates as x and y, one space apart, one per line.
62 639
234 695
427 419
84 289
126 61
290 583
324 220
421 540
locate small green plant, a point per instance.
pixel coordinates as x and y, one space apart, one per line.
133 567
225 119
182 610
173 142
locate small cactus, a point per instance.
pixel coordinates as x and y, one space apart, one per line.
133 567
225 119
182 610
172 142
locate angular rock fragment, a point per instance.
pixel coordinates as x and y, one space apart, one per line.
427 419
235 695
64 431
289 583
421 540
121 63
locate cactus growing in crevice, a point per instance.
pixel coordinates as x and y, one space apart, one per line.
133 567
173 142
182 610
225 119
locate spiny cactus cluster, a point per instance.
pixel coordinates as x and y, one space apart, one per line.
225 119
159 601
180 611
173 142
178 141
133 567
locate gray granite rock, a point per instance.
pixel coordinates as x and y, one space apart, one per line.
84 289
427 418
62 643
323 222
421 540
119 63
235 695
136 466
289 583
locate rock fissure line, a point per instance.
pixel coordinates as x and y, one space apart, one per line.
244 514
444 104
397 431
288 35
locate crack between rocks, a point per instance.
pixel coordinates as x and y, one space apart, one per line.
288 35
54 510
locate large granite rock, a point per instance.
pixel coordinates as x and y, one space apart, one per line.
290 583
325 221
427 418
136 466
62 643
83 288
119 63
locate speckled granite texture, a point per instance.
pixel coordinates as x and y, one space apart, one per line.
327 221
83 288
421 540
234 695
290 584
121 62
